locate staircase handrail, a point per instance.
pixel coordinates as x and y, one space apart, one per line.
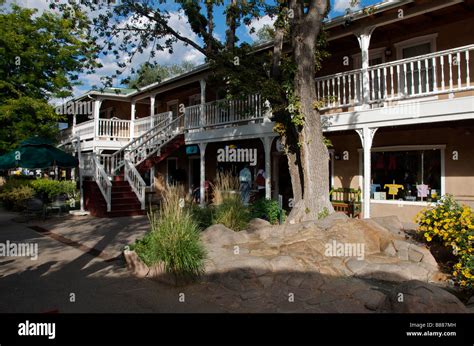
133 177
102 180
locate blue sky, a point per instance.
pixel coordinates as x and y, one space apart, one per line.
181 52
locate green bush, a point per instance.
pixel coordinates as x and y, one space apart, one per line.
173 239
202 215
52 188
452 225
267 209
14 198
17 190
232 213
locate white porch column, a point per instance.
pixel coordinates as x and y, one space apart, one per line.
267 147
74 122
132 120
364 42
152 110
95 115
202 189
202 83
366 136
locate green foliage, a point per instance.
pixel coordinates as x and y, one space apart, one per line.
41 56
17 190
52 188
265 34
148 73
323 214
452 225
202 215
267 209
232 213
14 198
173 239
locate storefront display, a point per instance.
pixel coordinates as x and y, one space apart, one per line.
410 175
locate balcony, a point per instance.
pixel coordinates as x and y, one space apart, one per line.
435 74
225 113
111 130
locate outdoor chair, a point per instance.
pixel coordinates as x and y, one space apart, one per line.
59 203
347 201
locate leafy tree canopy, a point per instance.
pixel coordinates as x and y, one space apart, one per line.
41 57
148 73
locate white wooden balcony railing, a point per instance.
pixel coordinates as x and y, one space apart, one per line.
436 73
117 129
224 112
85 130
142 125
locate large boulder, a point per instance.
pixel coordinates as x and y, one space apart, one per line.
135 264
420 297
256 224
390 223
220 235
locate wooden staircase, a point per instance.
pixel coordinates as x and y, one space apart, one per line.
124 200
117 188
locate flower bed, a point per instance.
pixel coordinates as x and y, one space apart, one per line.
452 225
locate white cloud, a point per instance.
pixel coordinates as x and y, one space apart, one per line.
257 24
181 52
340 6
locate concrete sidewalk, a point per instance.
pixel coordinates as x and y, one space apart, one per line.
61 271
102 234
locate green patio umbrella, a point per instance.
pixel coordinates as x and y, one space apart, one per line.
37 152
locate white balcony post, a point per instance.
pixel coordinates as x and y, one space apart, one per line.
364 42
267 147
267 111
74 121
202 189
132 120
202 83
366 136
95 115
152 110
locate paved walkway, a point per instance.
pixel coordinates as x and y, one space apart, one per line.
46 284
79 258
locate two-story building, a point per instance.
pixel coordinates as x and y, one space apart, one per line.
396 99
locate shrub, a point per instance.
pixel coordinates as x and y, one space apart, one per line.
232 213
50 188
267 209
453 226
174 238
202 215
223 187
14 198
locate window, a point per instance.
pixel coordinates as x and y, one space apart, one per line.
417 75
410 175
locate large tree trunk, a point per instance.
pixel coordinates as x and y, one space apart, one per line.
312 173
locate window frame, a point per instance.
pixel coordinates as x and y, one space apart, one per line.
440 147
416 41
